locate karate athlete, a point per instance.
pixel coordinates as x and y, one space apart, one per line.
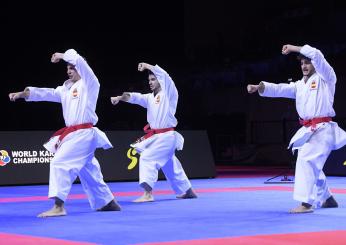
319 135
157 147
74 145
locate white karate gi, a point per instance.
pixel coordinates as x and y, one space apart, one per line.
75 156
158 151
313 99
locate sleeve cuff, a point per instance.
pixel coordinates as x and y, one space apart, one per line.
265 89
31 94
131 99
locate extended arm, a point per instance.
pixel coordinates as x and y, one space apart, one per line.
133 98
124 97
266 89
251 88
38 94
20 95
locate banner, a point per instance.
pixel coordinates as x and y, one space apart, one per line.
24 160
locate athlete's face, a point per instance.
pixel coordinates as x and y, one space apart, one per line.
154 83
307 68
72 73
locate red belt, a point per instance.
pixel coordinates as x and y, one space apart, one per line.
314 121
150 132
66 130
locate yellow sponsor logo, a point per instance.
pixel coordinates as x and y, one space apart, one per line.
131 154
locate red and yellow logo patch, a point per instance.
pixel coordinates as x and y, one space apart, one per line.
75 93
313 85
157 99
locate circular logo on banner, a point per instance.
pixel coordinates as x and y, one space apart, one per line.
4 158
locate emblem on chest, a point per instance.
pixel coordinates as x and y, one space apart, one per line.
75 93
313 85
157 99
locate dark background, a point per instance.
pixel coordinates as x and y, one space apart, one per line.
212 50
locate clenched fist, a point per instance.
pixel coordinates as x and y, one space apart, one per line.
252 88
19 95
115 100
56 57
288 48
142 66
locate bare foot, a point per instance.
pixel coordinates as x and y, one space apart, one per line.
188 194
55 211
111 206
146 197
301 209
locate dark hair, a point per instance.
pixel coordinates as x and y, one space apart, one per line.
150 72
302 57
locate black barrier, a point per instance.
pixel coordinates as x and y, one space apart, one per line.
23 159
336 163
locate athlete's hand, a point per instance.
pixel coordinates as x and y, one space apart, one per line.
56 57
288 48
142 66
115 100
16 96
252 88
